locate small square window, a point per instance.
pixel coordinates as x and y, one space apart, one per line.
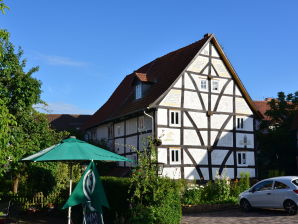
241 158
203 84
175 156
174 118
215 85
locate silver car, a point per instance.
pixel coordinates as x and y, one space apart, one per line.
277 192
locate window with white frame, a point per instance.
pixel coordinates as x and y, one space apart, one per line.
215 85
174 118
141 124
240 123
241 158
175 155
203 84
138 90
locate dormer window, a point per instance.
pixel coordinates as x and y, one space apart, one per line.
138 91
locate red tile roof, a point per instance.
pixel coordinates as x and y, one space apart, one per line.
262 106
142 77
163 71
67 122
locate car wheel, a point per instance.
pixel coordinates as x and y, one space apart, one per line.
245 205
290 207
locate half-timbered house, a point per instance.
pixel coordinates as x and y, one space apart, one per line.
193 100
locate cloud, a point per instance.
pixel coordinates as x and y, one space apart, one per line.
62 108
59 60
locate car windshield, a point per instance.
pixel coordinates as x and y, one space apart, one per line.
295 182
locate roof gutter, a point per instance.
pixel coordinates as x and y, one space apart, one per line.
152 118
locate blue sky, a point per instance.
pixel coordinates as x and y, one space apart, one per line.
85 48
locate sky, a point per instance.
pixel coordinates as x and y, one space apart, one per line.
85 48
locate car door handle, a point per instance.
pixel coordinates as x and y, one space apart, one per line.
269 193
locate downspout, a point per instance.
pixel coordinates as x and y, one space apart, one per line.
152 124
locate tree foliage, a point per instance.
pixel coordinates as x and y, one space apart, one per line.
277 147
23 129
3 7
153 199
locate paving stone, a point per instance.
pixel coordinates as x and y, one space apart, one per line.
236 216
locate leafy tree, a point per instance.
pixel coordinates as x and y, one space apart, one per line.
277 148
3 7
25 130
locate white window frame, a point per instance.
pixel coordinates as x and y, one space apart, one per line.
175 155
176 121
243 158
213 85
141 123
240 123
206 84
138 90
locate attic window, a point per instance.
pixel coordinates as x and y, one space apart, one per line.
138 91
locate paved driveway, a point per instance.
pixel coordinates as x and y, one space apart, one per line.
236 216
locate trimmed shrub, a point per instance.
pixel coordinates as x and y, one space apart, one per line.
116 189
160 204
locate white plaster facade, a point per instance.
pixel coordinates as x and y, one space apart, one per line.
204 120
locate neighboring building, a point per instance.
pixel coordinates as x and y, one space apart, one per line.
67 122
262 106
199 107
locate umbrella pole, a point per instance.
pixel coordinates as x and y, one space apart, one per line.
70 190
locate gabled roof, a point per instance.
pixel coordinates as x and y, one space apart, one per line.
163 71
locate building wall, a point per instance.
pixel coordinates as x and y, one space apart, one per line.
207 137
125 137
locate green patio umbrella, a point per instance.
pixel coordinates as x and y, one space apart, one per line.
71 150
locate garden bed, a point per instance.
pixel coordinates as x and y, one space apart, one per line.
190 209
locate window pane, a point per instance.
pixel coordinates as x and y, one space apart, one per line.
173 156
266 185
244 158
295 182
279 185
172 118
203 84
239 158
238 122
242 123
177 156
177 117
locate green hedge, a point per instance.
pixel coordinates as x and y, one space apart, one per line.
161 207
116 190
160 203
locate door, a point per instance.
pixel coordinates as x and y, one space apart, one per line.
260 194
279 193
